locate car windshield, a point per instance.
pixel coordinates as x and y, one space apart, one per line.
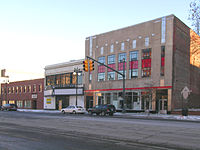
79 106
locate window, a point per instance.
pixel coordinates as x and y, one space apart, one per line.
133 55
16 89
134 44
111 75
111 59
111 48
120 77
122 46
163 30
34 88
101 60
111 62
40 87
101 69
50 80
162 69
133 73
20 89
121 56
90 46
147 41
24 89
102 49
27 104
29 88
133 64
20 104
146 63
101 76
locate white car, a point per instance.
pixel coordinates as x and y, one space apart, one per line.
73 109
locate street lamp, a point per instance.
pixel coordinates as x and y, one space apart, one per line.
76 72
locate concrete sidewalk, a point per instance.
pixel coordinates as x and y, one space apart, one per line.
133 115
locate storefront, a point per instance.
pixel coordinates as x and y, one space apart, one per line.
154 100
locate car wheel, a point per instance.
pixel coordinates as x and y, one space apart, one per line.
63 112
90 112
111 114
74 112
97 114
103 113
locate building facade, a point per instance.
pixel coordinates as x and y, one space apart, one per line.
28 94
161 58
64 85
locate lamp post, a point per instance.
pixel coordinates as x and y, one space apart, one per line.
76 72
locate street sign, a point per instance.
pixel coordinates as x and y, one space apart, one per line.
185 92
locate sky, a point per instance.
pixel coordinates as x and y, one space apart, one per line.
37 33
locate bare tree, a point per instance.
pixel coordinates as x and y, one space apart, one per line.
194 15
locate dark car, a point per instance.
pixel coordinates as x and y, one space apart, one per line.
102 109
9 107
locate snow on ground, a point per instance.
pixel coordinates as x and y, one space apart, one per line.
141 115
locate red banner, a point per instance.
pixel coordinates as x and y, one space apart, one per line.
101 69
146 63
133 64
111 66
162 61
120 66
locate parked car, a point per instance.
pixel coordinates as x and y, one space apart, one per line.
9 107
102 109
73 109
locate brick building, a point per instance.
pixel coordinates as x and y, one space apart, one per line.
162 56
28 94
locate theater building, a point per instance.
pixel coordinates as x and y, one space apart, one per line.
27 94
161 58
64 85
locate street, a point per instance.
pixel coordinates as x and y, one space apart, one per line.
44 131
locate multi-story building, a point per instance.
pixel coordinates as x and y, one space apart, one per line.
161 58
64 85
27 94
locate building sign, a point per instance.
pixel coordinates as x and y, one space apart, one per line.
48 101
34 96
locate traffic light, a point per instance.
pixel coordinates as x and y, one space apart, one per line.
85 65
91 65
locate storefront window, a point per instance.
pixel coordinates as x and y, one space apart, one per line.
19 104
27 104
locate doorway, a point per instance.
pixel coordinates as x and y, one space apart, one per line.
162 106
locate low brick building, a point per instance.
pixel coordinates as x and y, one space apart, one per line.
28 94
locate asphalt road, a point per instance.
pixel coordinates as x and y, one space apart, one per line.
37 131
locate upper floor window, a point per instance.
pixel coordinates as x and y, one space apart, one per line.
111 59
102 49
111 48
40 88
34 88
133 55
121 57
134 43
102 59
122 46
147 41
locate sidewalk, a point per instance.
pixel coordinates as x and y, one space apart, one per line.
133 115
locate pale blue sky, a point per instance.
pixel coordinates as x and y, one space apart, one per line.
36 33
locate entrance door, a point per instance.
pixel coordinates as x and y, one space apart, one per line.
163 106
